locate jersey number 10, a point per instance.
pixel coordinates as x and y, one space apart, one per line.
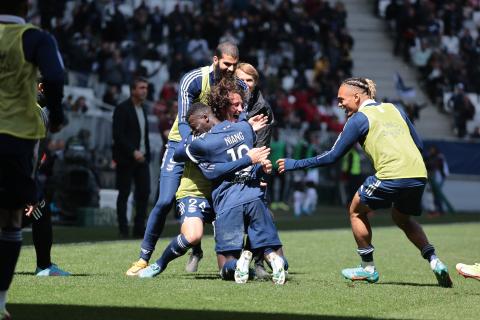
240 152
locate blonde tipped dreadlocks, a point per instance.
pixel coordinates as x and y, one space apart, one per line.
367 85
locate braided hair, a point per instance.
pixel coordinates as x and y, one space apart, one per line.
366 85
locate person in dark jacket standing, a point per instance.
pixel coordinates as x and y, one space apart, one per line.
131 152
256 104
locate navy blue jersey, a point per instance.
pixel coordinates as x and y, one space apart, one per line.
191 88
221 155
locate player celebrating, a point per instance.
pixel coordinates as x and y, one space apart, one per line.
194 86
237 195
390 140
193 203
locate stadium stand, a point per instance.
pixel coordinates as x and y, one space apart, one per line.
441 40
302 50
105 43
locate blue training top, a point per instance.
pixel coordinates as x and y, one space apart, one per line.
221 156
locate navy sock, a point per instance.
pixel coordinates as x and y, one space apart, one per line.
148 245
145 254
428 252
197 249
10 244
366 253
177 248
228 270
42 240
258 255
285 263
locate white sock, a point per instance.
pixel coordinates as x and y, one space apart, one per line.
3 299
433 263
368 266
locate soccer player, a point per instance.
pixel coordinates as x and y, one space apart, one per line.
24 49
195 210
193 87
37 214
237 195
391 142
469 270
194 195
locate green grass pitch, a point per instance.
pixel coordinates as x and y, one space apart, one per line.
315 290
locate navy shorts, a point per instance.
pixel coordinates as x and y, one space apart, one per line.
254 217
189 207
17 163
405 195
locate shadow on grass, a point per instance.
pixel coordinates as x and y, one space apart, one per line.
53 311
206 276
25 273
412 284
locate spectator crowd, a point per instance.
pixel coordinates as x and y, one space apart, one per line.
301 49
440 38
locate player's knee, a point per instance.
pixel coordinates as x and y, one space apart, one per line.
193 236
400 219
402 224
192 229
353 213
11 218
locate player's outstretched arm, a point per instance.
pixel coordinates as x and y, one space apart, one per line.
354 129
285 163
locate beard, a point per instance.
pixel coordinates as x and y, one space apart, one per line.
220 74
